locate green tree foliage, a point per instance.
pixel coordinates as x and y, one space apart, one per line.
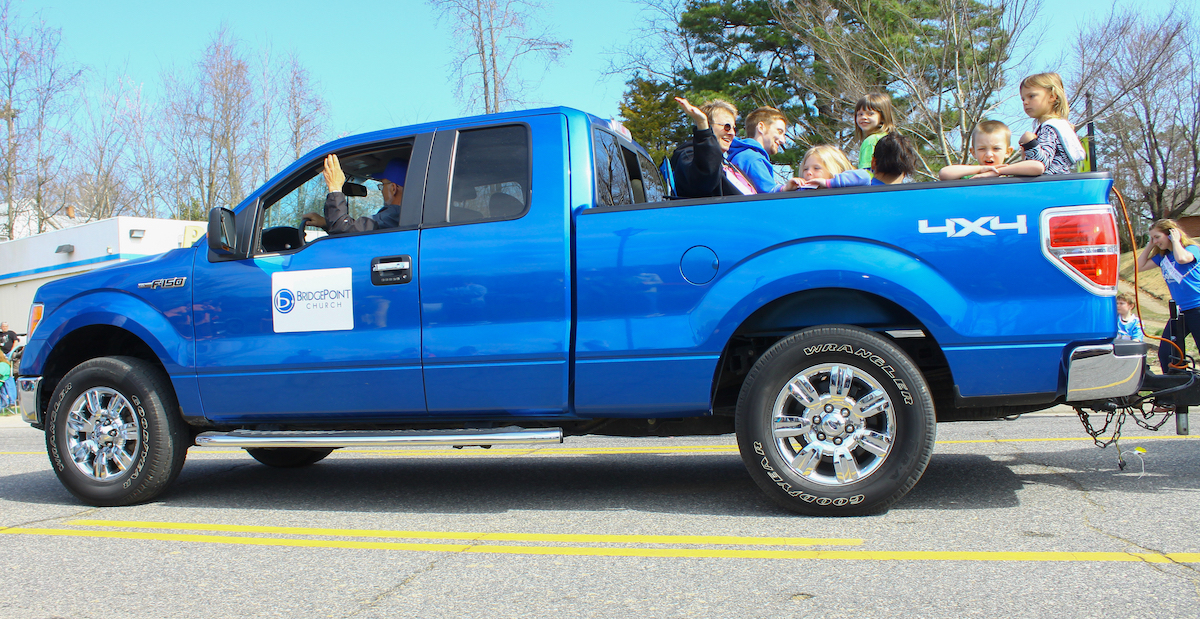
653 117
942 61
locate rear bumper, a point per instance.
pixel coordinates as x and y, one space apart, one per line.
1102 371
28 390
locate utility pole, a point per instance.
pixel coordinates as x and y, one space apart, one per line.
1091 134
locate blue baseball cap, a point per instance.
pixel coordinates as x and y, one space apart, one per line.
395 171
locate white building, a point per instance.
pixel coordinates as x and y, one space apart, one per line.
27 263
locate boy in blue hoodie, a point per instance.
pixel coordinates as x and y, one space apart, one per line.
765 129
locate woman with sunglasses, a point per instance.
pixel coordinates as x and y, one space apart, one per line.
699 164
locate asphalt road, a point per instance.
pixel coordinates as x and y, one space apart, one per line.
1012 518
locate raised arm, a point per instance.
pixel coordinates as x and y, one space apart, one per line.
1178 251
1144 261
698 116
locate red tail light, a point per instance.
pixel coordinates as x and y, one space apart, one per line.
1082 242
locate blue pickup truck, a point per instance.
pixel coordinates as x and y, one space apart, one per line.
541 283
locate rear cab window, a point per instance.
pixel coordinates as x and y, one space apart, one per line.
623 174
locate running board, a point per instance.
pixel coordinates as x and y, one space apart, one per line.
510 435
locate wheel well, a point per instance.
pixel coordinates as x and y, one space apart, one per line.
822 306
88 343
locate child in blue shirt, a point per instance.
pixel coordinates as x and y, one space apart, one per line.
1128 324
893 161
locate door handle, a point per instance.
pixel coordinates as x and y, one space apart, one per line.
388 270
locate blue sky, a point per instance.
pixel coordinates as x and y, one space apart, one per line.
385 63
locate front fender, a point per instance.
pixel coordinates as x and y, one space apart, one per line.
173 346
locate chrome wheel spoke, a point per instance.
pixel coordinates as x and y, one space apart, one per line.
93 402
840 379
79 424
81 451
114 408
121 459
845 466
803 391
870 405
127 431
807 460
100 464
791 426
875 443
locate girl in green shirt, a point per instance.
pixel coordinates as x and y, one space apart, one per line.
873 119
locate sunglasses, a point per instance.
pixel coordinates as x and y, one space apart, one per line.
728 127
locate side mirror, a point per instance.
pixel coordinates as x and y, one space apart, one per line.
222 232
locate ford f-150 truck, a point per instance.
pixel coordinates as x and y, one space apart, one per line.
541 283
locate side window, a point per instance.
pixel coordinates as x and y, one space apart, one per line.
490 180
309 197
652 181
306 193
612 177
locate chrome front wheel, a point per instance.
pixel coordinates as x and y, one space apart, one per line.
103 433
113 431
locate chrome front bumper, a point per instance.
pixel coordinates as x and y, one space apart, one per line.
1105 371
28 389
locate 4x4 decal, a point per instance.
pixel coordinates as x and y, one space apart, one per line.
987 225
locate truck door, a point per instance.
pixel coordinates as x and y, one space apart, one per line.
323 329
495 271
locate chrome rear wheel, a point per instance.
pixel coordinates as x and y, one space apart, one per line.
833 425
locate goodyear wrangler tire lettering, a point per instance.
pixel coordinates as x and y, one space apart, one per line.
835 421
113 432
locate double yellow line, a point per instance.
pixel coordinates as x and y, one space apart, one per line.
664 546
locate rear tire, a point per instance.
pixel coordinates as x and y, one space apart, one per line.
113 431
288 457
835 421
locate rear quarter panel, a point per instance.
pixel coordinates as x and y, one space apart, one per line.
648 340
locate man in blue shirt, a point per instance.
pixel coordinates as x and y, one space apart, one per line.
765 128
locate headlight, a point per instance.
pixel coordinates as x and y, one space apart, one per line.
35 316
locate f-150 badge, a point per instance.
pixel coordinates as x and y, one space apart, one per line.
984 226
166 282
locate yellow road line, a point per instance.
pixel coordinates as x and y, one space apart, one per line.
1169 437
703 553
479 536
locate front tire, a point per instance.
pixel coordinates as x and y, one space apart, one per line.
288 457
113 431
835 421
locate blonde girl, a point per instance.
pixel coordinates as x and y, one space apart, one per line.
1052 147
1173 251
823 161
873 119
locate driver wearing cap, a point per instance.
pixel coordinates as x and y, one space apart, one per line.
336 219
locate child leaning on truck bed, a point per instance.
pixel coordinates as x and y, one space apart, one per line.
1052 147
894 160
823 161
991 146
